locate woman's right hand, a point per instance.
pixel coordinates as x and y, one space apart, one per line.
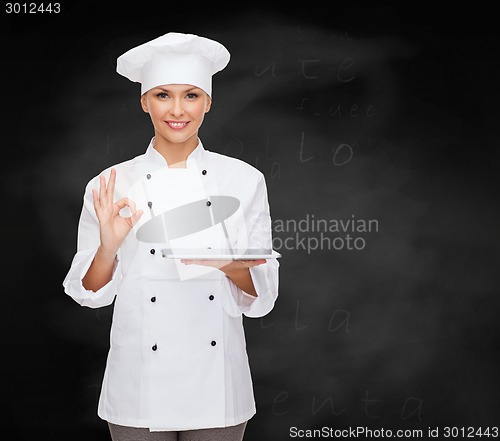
113 227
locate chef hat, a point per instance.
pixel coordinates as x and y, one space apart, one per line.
174 58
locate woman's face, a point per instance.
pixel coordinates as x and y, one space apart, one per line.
176 110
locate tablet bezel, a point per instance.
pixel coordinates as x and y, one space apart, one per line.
194 254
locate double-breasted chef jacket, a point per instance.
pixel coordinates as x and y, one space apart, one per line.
177 357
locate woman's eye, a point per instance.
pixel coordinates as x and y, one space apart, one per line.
192 96
162 95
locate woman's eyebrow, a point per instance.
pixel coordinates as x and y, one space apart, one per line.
163 89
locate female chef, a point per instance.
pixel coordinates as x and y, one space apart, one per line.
177 367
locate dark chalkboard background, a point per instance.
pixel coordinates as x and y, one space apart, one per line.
375 113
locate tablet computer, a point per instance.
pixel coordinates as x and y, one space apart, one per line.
219 254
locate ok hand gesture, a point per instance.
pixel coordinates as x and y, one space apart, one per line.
113 227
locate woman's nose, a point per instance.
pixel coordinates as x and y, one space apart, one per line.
176 109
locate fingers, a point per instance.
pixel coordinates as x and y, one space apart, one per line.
105 196
256 262
135 218
95 196
207 262
125 202
111 185
222 263
102 191
132 206
103 200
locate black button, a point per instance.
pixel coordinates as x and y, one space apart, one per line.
209 203
211 297
152 251
154 348
213 343
150 204
153 299
148 176
204 172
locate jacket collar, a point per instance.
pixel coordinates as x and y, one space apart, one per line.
195 158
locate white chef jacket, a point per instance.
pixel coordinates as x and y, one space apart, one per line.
177 357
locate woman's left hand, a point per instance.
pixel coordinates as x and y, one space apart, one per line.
226 266
237 270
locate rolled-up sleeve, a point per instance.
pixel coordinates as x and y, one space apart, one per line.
265 277
87 244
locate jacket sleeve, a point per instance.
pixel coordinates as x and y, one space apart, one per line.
87 244
265 276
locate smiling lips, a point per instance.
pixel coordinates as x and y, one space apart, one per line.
177 125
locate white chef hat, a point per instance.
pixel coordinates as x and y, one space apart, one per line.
174 58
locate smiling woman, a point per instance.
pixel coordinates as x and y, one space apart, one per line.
177 113
177 363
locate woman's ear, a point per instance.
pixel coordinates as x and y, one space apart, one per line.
208 104
144 103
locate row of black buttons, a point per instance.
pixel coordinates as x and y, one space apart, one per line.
153 251
150 205
210 297
155 346
203 172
